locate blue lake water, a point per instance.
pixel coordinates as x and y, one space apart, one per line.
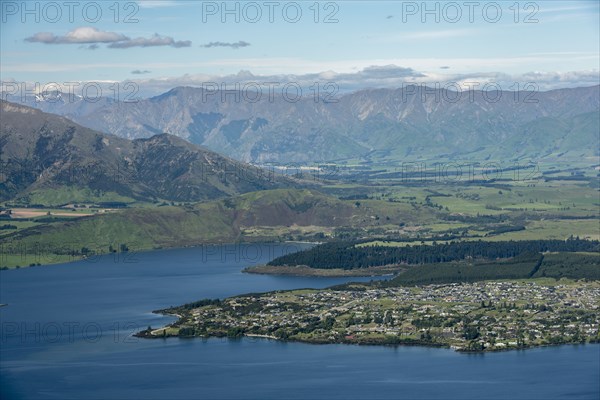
66 334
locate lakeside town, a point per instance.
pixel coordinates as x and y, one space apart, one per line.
483 316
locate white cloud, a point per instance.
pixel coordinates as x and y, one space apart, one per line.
388 76
300 66
81 35
94 36
235 45
153 41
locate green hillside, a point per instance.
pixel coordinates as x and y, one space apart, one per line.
273 215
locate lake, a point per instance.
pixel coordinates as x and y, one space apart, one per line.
66 334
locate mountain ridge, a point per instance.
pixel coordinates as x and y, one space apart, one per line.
379 125
41 151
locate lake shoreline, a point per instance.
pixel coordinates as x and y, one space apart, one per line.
119 299
303 270
455 316
73 258
148 334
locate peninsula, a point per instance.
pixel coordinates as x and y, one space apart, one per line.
481 316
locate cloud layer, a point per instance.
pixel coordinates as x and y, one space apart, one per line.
387 76
373 77
94 37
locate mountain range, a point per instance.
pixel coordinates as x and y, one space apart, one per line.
48 160
41 152
379 125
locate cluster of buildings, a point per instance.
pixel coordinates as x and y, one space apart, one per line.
476 317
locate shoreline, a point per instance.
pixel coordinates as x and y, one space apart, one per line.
75 258
145 334
333 316
148 334
303 270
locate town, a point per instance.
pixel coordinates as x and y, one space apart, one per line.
484 316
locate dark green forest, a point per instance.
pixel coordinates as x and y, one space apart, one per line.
528 266
347 255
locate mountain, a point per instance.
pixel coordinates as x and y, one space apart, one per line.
45 153
380 125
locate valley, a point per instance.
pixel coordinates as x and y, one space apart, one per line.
302 200
401 213
362 218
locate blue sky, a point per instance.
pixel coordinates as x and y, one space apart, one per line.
185 42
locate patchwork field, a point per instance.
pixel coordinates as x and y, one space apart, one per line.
389 212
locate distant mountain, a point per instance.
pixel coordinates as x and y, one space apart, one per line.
378 125
45 153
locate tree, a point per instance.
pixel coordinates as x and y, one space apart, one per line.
350 321
471 332
388 318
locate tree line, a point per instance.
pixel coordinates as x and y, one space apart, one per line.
347 255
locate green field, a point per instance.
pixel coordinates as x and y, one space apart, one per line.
69 194
18 260
389 212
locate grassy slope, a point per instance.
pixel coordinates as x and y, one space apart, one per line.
219 221
70 194
137 228
283 214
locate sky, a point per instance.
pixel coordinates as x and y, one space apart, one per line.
356 44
